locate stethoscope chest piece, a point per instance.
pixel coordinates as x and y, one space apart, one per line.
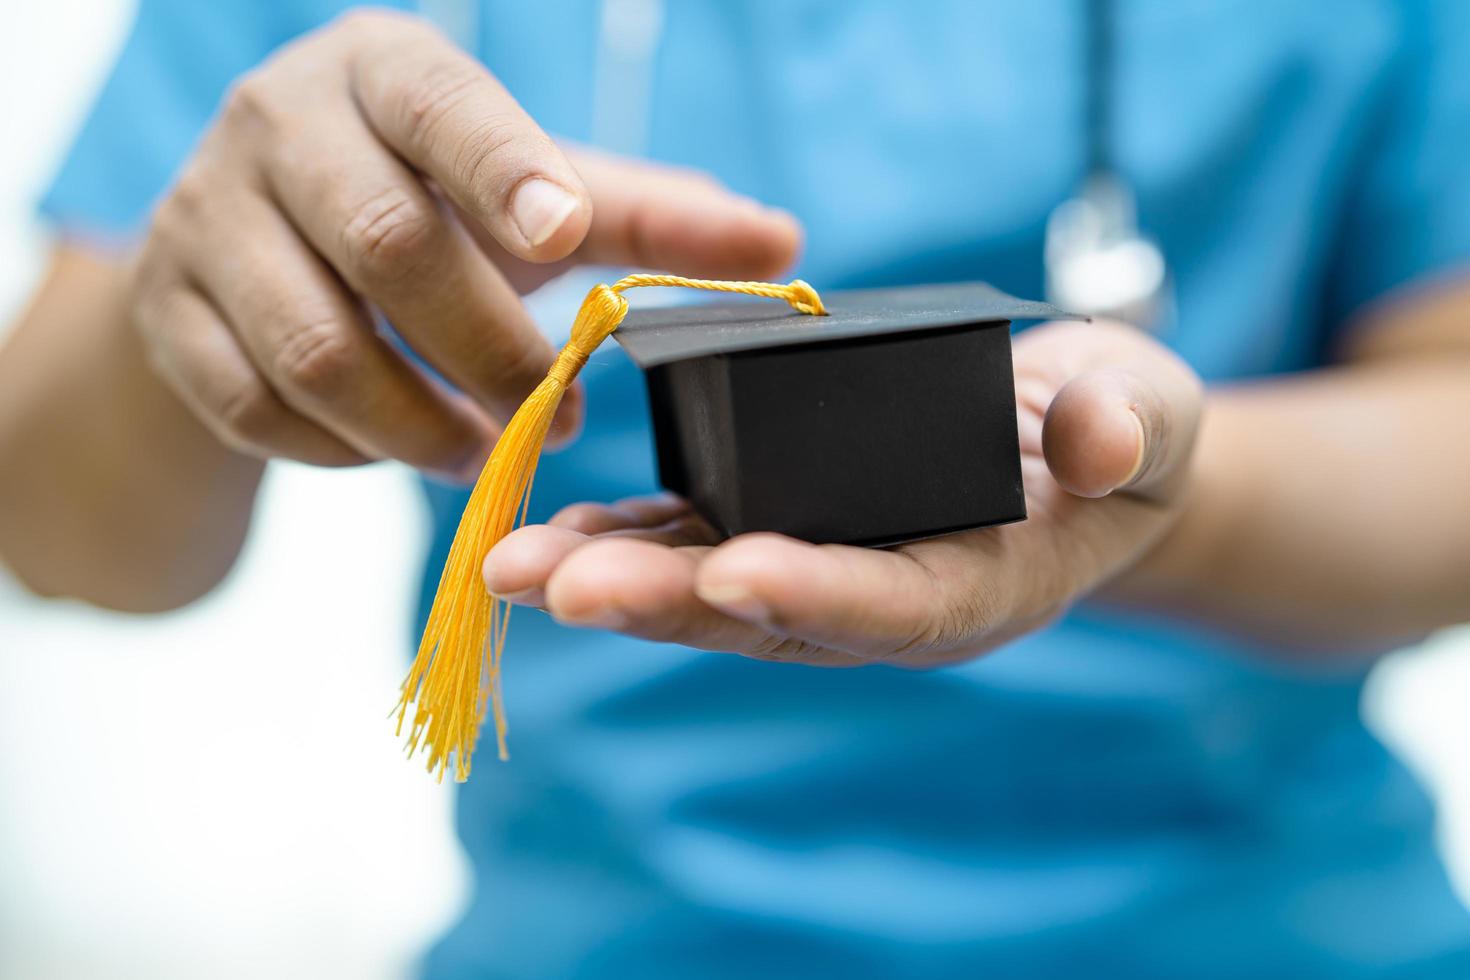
1099 263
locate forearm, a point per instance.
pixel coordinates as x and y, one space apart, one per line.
1330 510
110 491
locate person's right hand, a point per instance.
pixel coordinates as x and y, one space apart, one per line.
372 166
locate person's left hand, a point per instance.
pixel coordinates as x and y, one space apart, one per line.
1107 423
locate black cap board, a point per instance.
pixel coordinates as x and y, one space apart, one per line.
660 335
892 418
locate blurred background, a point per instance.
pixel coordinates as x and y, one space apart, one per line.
135 837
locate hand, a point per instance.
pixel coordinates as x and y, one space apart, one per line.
374 166
1107 422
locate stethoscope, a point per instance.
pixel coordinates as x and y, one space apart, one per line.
1098 261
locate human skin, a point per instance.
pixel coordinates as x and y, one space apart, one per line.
372 166
1322 514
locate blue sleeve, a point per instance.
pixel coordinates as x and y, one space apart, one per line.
178 60
1409 214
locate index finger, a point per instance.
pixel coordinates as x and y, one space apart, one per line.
444 113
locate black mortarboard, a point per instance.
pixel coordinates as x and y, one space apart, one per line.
878 416
891 418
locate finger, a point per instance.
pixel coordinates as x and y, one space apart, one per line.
1126 422
880 605
686 530
1093 434
517 568
315 347
1121 416
394 243
201 360
631 512
647 590
653 216
448 116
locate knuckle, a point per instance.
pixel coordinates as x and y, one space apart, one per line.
481 162
784 649
152 310
505 374
462 455
318 360
250 417
388 235
428 101
155 306
357 21
146 280
190 194
250 101
956 613
968 611
370 22
939 634
521 367
176 225
900 644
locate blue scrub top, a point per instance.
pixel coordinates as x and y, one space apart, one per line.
1113 796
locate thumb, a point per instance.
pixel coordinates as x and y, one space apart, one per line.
1125 424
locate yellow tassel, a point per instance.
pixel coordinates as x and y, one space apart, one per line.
456 674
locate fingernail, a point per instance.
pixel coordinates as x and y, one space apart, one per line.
736 600
490 572
525 597
1137 466
606 618
539 208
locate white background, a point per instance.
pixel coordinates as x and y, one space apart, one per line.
217 792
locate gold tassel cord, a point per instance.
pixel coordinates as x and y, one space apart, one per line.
455 677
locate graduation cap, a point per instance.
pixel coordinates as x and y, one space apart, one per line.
891 418
865 417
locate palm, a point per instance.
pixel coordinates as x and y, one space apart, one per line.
651 567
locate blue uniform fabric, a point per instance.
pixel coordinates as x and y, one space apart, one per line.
1114 796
